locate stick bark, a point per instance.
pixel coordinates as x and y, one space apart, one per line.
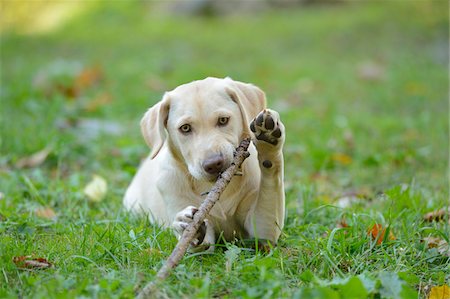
149 291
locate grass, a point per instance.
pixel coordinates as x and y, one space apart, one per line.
382 140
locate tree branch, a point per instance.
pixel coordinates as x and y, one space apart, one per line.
188 235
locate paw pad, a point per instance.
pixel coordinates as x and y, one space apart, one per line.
266 127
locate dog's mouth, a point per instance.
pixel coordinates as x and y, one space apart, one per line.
214 165
211 166
200 174
212 178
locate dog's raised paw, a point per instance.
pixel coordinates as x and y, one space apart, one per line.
267 126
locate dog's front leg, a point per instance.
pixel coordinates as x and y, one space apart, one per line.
267 219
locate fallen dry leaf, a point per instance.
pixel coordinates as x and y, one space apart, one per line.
69 91
69 78
443 248
439 292
441 245
342 224
88 77
31 263
96 189
58 76
415 88
85 79
35 159
377 232
438 215
46 213
341 158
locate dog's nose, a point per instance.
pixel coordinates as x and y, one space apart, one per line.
214 164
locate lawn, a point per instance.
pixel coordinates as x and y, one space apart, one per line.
362 89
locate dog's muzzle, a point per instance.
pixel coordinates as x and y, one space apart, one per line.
214 164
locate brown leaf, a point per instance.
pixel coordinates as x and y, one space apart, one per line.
58 76
88 77
341 158
342 224
377 232
415 88
440 292
441 245
67 78
46 213
443 248
35 159
431 242
70 92
20 259
437 215
31 263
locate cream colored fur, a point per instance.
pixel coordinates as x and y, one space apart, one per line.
169 183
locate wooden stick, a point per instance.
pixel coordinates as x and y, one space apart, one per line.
188 235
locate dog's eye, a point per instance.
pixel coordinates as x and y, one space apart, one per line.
185 129
223 121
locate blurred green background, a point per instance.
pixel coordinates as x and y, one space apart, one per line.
361 85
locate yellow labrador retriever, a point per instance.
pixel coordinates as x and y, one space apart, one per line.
193 132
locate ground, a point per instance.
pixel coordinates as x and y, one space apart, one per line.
362 90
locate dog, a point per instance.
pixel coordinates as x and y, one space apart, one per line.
193 132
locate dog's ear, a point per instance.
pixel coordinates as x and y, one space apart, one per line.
251 100
153 125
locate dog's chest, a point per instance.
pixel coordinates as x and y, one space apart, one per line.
229 200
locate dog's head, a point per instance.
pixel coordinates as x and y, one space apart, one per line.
202 123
